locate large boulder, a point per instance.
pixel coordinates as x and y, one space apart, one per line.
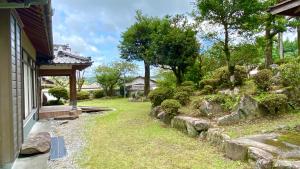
155 111
165 117
191 126
209 108
297 128
216 136
36 144
284 164
247 109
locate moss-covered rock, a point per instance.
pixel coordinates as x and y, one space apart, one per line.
273 104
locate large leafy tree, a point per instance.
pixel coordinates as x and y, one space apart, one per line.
175 45
136 44
108 76
233 17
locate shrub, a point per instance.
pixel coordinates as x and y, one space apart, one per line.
290 74
183 97
240 74
207 89
227 102
98 94
171 106
158 95
211 82
188 89
82 95
188 83
263 79
59 92
54 102
272 104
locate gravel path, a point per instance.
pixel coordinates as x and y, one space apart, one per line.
72 131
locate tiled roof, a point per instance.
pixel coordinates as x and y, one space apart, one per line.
62 57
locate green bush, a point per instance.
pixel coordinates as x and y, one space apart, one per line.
59 92
83 95
54 102
240 74
207 89
183 97
227 102
273 104
210 82
188 89
158 95
188 83
171 106
98 94
290 74
263 79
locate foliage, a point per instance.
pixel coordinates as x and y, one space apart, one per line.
176 45
83 95
98 94
272 104
290 74
207 89
183 97
240 74
188 83
246 54
263 78
158 95
194 73
166 79
228 15
59 92
61 81
188 89
54 102
171 106
136 43
249 87
227 102
209 82
108 76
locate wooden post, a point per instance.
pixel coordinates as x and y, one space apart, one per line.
72 77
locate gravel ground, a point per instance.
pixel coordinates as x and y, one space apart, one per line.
72 131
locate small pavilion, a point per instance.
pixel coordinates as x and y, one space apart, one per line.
65 63
287 8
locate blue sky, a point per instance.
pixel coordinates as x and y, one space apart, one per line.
93 27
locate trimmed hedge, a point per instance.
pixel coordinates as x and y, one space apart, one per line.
273 104
98 94
54 102
83 95
59 92
158 95
183 97
290 74
263 79
171 106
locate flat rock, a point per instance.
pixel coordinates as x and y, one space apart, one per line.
209 108
155 111
261 158
215 136
284 164
36 144
197 123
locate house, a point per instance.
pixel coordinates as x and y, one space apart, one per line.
91 87
26 50
287 8
138 83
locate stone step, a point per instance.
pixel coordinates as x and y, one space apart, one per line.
67 117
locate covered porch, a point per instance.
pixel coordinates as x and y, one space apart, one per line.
63 64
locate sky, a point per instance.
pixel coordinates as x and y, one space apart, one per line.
94 27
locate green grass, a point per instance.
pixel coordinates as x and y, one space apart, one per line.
263 124
128 138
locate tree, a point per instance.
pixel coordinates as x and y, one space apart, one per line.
175 45
80 79
136 44
108 76
125 69
60 81
236 17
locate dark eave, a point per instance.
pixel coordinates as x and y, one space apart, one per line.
287 8
37 22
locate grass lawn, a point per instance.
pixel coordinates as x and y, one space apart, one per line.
129 138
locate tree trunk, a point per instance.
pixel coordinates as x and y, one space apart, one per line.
268 48
111 91
147 79
280 45
227 51
298 36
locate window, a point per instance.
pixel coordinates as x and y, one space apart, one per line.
29 84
